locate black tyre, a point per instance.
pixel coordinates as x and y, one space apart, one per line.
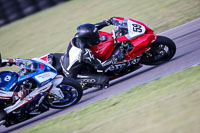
161 51
72 91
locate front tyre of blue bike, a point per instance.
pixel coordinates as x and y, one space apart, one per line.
72 92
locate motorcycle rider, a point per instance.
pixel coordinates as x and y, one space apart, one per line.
78 51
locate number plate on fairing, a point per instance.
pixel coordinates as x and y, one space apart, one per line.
135 29
45 76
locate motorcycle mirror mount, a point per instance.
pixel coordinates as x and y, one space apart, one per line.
114 37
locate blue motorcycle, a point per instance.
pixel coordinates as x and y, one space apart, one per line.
31 91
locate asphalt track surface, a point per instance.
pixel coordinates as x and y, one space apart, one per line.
187 39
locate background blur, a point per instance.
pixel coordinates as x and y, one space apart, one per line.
11 10
51 30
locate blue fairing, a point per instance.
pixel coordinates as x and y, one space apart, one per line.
29 68
7 80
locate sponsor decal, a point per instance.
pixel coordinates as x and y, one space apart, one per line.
82 76
45 82
107 63
88 80
45 76
122 65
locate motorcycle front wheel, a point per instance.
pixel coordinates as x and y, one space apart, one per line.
72 92
161 51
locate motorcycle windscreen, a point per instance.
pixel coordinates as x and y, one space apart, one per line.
7 80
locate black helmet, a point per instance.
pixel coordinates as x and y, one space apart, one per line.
88 33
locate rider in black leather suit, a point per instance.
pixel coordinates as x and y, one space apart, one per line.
78 51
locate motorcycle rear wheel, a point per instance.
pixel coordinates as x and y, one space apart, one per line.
72 91
161 51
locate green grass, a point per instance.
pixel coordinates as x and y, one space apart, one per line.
167 105
52 29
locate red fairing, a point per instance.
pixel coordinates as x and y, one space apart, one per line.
122 38
141 43
104 49
44 58
119 18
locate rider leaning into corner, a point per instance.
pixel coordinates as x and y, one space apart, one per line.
78 51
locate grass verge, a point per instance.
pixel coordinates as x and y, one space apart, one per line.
168 105
52 29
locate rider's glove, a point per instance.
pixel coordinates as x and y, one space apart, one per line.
109 21
11 62
7 62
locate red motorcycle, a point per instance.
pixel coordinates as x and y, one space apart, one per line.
132 43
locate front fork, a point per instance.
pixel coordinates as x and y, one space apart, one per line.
57 91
